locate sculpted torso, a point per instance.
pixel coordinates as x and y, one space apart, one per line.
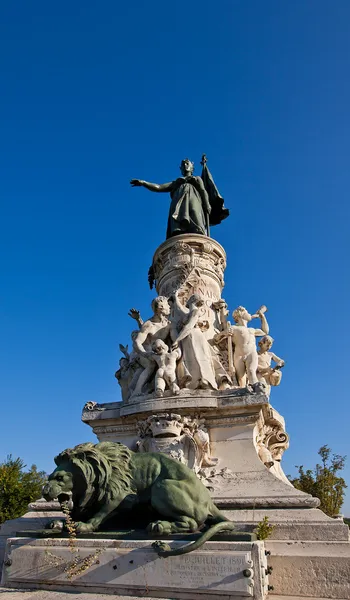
150 331
243 339
167 362
166 373
270 375
264 360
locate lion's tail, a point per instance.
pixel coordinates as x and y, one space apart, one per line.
164 550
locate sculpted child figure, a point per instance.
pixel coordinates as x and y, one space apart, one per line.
130 369
245 356
267 374
166 373
156 327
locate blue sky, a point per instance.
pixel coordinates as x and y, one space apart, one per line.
93 94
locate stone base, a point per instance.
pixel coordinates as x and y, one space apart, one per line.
293 524
13 594
37 517
246 434
310 569
219 570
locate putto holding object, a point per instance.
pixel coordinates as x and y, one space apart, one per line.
166 372
245 357
267 374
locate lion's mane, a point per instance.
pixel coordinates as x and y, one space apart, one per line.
103 472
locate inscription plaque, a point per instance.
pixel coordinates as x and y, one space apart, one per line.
219 570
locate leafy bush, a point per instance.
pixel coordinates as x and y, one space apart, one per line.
18 488
323 481
264 529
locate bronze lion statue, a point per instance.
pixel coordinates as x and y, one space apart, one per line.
100 479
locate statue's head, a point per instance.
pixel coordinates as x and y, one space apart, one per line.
60 484
195 301
186 167
265 343
89 475
159 347
241 313
160 306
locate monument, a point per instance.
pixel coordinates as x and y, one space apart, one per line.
202 444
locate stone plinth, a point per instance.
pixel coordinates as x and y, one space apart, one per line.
233 439
312 569
38 515
244 432
219 570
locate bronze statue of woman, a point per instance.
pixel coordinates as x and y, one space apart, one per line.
195 201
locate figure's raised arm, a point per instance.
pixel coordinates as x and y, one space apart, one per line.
181 308
192 321
153 187
264 325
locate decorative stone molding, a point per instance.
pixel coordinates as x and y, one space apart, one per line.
114 429
232 420
271 440
90 406
194 264
277 440
216 479
303 501
183 438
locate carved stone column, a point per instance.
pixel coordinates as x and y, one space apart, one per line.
193 264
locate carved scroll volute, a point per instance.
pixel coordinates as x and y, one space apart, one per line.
271 442
277 441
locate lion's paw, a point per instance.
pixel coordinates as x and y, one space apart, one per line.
160 527
56 525
161 547
81 527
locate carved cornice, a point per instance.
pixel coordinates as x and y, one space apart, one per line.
268 502
227 421
118 429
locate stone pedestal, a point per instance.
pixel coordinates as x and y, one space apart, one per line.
310 552
245 437
38 515
221 570
232 438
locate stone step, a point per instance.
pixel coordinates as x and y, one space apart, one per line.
273 597
11 594
309 569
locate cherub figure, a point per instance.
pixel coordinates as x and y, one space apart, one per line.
245 357
267 374
156 327
166 372
129 369
122 376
